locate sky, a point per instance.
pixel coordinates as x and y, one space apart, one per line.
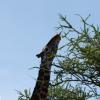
25 27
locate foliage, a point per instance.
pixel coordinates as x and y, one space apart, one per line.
59 92
81 61
25 95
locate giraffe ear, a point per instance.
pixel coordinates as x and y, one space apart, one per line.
39 55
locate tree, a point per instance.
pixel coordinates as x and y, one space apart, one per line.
81 61
77 68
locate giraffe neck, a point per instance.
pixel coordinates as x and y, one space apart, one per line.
47 55
41 89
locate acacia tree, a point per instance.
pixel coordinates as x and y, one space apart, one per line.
77 68
80 64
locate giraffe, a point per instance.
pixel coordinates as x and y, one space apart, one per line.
47 55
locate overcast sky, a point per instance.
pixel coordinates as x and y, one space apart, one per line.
25 27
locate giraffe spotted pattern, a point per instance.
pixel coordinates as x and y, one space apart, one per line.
47 55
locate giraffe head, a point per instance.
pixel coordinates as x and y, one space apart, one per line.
52 45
